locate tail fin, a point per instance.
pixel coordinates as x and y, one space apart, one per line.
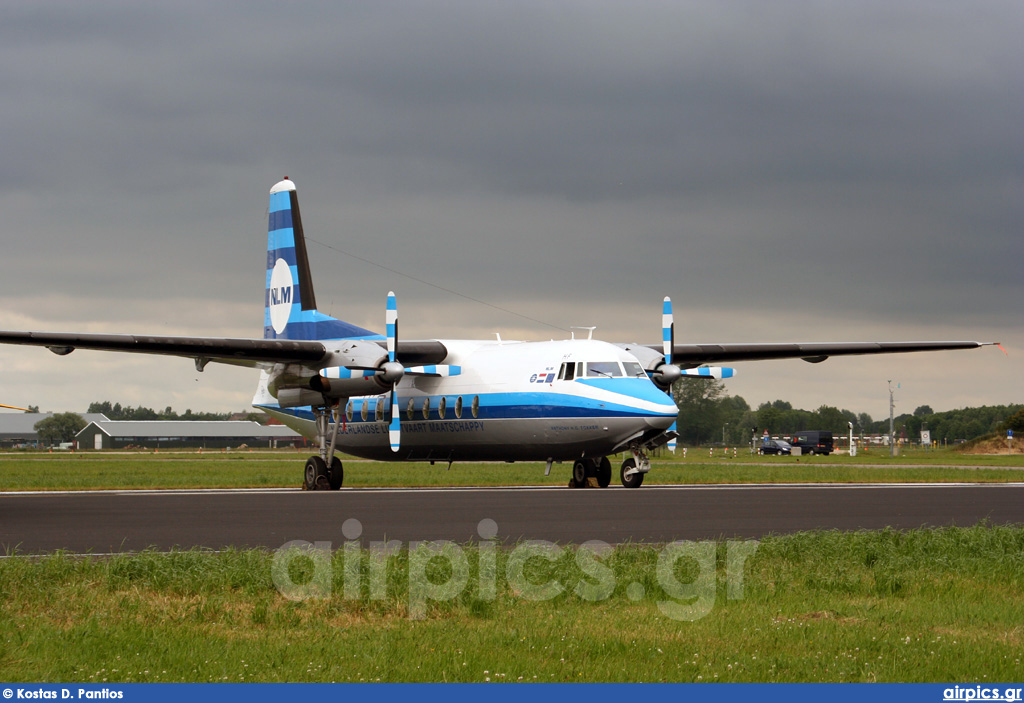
290 305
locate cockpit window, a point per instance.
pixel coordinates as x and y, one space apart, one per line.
603 369
634 369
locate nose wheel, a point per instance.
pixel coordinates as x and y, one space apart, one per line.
635 467
631 478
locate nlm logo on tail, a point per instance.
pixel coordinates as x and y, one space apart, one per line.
280 295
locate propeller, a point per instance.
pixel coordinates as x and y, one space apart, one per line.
392 371
669 371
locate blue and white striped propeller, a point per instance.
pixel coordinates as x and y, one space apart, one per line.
669 371
392 371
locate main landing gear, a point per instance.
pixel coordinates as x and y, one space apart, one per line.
586 472
598 472
324 472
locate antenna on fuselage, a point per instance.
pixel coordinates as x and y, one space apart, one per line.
590 331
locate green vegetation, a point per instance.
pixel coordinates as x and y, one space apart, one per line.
58 428
114 411
707 414
20 471
924 605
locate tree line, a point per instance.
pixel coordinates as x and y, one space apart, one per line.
62 427
708 415
115 411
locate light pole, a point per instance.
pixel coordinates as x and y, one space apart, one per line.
723 433
892 432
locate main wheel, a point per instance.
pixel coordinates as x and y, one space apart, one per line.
634 480
579 474
315 468
604 472
336 474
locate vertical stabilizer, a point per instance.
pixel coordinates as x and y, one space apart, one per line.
290 305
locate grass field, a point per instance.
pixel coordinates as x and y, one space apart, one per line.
91 471
925 605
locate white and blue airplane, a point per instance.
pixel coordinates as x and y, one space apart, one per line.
377 396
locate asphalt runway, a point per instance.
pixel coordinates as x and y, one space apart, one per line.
127 521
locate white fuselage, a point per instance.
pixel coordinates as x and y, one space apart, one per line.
512 401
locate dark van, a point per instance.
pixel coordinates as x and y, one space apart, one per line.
813 442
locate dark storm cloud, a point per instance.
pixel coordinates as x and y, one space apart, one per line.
857 158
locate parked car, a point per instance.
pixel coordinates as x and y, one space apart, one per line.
813 442
775 446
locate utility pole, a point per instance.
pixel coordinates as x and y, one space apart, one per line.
892 432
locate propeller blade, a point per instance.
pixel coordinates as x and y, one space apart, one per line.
350 372
709 372
391 320
435 371
394 428
668 329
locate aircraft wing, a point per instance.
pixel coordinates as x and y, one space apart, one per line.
226 350
243 352
688 355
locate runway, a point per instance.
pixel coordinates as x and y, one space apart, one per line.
126 521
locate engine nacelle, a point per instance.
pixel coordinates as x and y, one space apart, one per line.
341 382
298 397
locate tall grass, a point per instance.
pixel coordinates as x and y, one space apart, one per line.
923 605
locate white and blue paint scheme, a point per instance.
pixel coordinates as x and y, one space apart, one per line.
378 396
571 400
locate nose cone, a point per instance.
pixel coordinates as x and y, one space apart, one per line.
641 397
663 422
665 411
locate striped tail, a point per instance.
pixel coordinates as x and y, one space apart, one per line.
290 305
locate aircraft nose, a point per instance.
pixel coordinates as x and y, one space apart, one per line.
663 422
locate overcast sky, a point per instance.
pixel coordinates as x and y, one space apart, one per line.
786 171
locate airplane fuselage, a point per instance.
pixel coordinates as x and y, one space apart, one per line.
512 401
